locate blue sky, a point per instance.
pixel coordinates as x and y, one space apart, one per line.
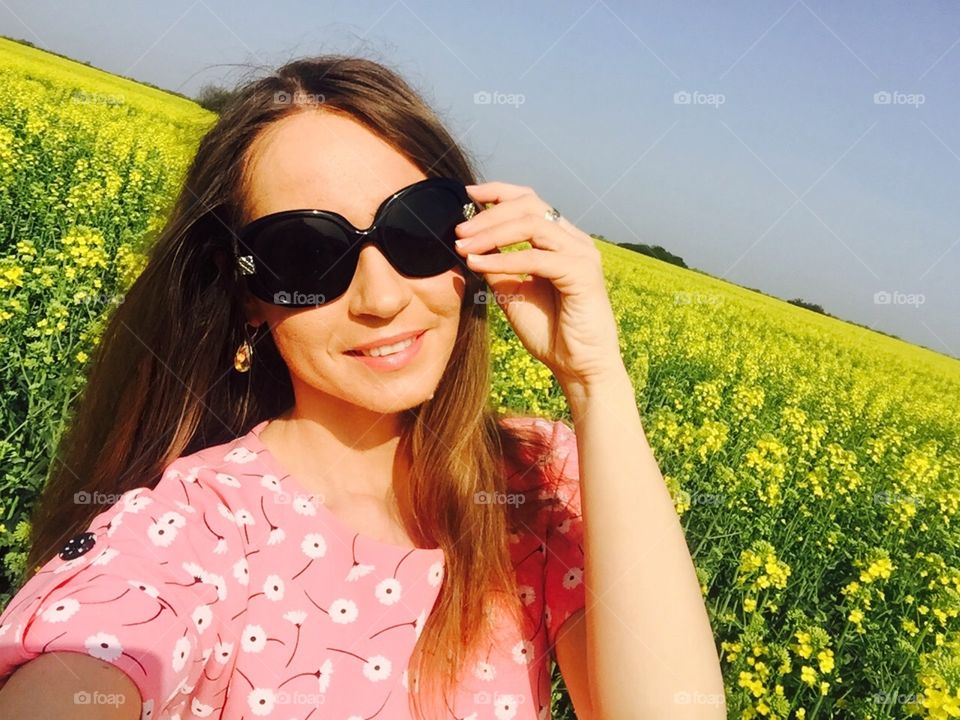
807 149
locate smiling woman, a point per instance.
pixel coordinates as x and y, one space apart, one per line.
301 514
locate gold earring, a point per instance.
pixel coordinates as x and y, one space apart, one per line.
243 359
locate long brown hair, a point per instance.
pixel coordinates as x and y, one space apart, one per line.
161 383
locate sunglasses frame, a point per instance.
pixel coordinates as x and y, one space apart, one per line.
247 262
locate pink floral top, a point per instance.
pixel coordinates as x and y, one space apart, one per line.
227 591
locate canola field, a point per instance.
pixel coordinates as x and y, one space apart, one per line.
815 465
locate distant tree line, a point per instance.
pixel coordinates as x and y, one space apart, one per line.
654 251
89 64
214 97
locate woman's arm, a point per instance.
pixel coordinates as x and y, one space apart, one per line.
650 646
69 685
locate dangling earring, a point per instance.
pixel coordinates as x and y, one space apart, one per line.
243 358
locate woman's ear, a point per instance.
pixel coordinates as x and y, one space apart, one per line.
252 310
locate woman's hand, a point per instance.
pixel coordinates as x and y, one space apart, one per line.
562 314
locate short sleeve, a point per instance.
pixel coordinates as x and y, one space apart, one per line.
564 590
144 588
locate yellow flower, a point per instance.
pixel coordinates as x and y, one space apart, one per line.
803 647
808 675
880 568
826 660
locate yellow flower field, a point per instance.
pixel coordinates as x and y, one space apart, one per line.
815 464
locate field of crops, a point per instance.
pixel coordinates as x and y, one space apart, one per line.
815 464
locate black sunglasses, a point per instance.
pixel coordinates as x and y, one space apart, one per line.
301 258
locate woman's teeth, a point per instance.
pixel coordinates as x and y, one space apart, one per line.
389 349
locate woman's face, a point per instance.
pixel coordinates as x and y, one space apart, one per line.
325 161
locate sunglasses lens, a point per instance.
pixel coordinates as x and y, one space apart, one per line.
300 259
419 231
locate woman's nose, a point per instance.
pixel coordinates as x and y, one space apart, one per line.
377 288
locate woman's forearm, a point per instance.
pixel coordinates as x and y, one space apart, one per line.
651 651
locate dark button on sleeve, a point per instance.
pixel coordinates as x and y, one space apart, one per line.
78 545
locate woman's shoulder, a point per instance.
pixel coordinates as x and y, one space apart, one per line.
547 441
219 472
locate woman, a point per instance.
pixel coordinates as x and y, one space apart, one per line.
285 537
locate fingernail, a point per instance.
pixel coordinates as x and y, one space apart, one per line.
459 243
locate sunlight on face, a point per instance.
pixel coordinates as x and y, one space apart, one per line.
327 161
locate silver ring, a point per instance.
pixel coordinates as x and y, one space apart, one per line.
552 214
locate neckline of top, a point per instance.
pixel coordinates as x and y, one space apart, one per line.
253 442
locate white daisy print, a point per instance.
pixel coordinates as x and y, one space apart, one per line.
261 701
388 591
104 646
60 611
241 571
377 668
572 578
358 571
523 652
240 456
253 639
227 479
222 651
343 611
202 617
435 573
181 651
